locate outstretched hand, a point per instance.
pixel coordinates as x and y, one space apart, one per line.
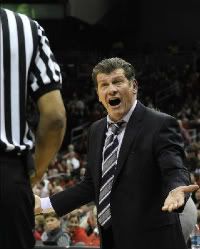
176 197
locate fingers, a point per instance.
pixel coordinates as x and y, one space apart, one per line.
172 205
169 207
175 198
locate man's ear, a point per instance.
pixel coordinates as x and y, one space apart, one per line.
135 86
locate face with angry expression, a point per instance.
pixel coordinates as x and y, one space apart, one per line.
116 93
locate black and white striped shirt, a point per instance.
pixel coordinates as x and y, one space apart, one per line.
27 67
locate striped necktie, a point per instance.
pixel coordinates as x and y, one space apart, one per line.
109 163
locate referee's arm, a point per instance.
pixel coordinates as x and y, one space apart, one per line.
45 83
50 131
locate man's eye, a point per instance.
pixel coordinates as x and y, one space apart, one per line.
103 85
117 82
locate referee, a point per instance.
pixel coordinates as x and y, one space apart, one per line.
27 69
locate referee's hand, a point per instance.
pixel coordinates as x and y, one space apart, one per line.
35 178
38 209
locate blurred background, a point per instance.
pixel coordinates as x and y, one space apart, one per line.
160 38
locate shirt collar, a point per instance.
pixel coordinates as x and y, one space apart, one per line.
125 117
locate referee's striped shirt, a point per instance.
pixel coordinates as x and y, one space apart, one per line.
27 67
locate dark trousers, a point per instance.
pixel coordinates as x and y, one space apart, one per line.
16 204
172 231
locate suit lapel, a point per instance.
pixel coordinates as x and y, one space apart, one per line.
132 130
98 148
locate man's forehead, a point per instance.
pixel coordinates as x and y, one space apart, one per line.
117 73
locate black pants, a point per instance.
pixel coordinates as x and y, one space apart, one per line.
16 204
172 231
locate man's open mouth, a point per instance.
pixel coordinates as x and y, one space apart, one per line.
114 102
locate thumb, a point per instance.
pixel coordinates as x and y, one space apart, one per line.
38 208
190 188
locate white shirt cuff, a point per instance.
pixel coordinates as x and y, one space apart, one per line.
46 204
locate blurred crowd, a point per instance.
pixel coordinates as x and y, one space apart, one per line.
172 87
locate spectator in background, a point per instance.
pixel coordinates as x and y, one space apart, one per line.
72 161
57 189
193 161
44 187
28 69
88 215
82 173
54 234
185 133
39 228
78 234
197 199
70 148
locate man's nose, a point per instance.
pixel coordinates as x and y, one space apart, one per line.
112 88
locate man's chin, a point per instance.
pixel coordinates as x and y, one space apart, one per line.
115 116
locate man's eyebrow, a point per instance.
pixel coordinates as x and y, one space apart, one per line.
118 77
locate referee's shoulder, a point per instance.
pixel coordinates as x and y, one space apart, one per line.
20 15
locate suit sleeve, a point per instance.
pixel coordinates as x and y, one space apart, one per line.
170 155
74 197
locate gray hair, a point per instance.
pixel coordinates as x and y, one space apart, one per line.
108 65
